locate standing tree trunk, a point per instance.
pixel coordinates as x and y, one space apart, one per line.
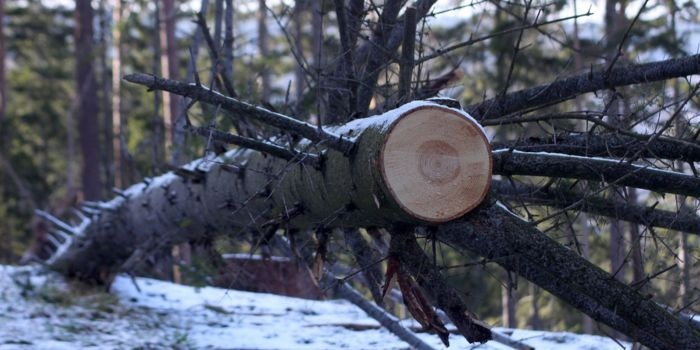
168 65
264 49
508 300
681 126
316 9
227 64
613 32
3 83
86 88
118 142
106 78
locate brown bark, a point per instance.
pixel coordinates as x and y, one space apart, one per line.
508 301
265 88
86 86
412 258
118 142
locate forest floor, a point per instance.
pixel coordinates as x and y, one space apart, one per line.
40 310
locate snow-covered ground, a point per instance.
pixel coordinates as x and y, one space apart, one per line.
39 310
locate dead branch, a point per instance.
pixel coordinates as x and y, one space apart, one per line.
243 109
568 88
507 162
608 145
563 198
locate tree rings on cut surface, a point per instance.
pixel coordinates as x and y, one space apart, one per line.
436 161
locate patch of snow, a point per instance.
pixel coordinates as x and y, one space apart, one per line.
245 256
39 310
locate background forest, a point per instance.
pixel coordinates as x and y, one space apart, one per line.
72 130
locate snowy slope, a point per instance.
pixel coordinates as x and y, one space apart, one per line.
39 310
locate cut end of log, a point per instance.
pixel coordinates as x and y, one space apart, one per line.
437 163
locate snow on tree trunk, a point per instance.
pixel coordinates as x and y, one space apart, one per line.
420 163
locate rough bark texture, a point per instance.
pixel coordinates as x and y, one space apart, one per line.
86 85
241 191
562 90
609 145
389 322
496 234
620 173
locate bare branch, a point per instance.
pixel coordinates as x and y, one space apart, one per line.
261 146
559 197
471 41
209 96
219 75
376 59
407 52
507 162
386 320
568 88
363 254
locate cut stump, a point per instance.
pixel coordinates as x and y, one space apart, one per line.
436 163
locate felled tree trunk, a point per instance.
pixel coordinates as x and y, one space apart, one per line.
421 163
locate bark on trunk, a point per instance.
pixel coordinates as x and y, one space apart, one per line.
437 152
493 232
